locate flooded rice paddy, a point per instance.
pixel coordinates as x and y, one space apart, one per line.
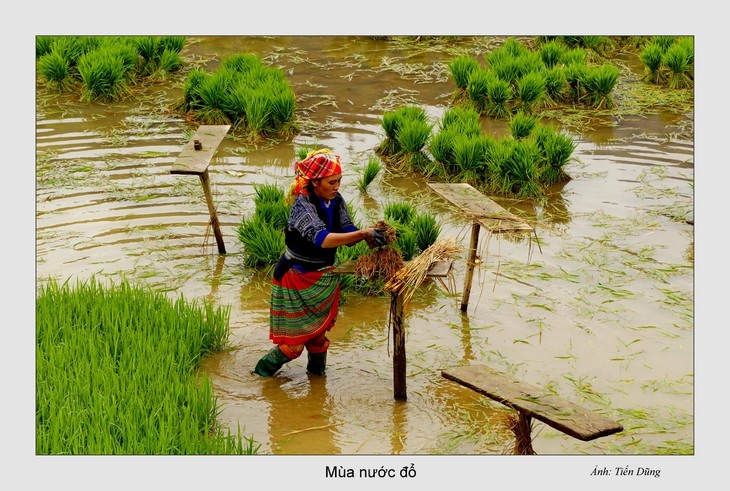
597 306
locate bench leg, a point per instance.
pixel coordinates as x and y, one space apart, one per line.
522 429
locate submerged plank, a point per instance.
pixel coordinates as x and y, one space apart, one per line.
196 162
489 214
563 415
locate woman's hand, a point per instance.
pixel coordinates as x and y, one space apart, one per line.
374 237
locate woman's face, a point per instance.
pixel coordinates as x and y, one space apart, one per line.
327 187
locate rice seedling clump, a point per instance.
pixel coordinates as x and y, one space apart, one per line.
382 262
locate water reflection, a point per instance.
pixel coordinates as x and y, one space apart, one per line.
300 415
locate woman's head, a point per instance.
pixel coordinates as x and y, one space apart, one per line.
326 188
322 169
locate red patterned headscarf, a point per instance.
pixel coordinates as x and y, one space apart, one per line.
316 165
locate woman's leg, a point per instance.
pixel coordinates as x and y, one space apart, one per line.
317 354
277 356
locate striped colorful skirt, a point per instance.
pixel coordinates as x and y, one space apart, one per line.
303 305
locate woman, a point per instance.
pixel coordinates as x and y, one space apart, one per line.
305 292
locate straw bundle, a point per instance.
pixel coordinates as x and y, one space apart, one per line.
407 279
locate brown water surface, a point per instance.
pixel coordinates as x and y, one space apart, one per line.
599 309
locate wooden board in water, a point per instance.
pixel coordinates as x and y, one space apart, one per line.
196 162
482 209
572 419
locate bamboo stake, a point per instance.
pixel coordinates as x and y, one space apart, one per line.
470 264
205 181
399 346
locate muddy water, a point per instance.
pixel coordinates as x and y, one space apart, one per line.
597 306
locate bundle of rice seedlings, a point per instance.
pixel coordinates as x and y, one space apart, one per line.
400 211
651 56
461 68
678 59
500 94
382 262
406 280
521 125
599 83
550 53
531 89
476 89
371 171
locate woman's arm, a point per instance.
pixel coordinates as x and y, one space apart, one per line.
335 239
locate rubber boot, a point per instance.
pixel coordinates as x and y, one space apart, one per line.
271 362
317 358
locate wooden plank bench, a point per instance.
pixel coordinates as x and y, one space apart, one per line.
438 270
533 402
485 213
195 159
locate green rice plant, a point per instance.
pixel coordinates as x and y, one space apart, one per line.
463 118
441 144
69 47
283 103
574 77
274 213
413 134
148 47
598 44
557 151
116 372
531 89
213 92
245 93
529 62
522 173
263 243
555 84
678 59
496 155
258 110
551 53
401 212
461 69
169 61
469 159
191 89
369 173
267 193
391 123
234 102
241 62
521 125
651 56
172 43
574 56
54 68
426 229
389 146
662 42
599 82
514 48
90 43
43 45
509 70
500 96
476 88
103 75
688 44
406 242
123 49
